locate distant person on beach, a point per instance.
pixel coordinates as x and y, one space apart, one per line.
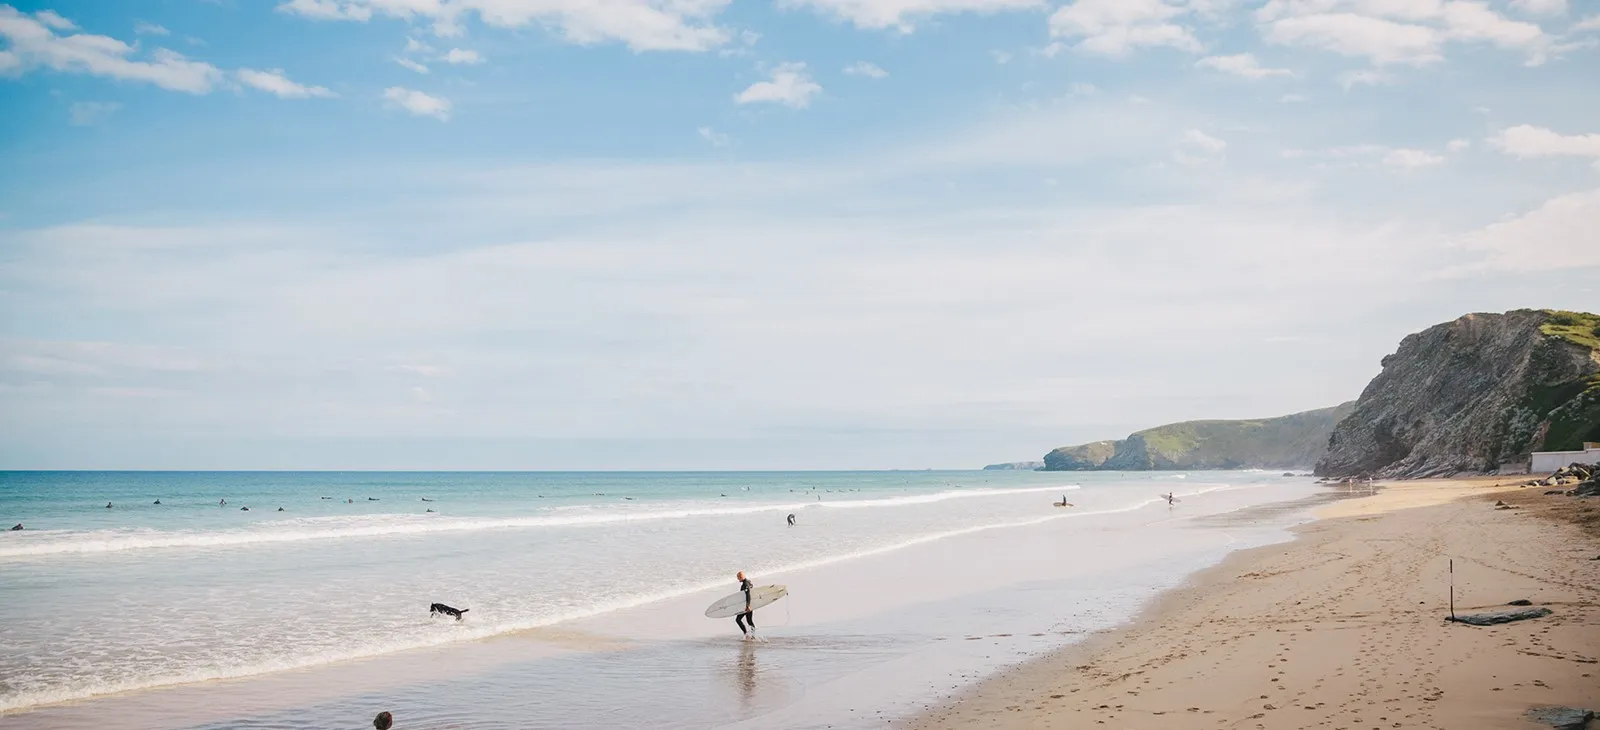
791 519
749 613
1171 497
383 721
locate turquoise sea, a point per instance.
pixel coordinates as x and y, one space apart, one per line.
140 596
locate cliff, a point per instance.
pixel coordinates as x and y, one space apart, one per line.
1286 442
1016 466
1473 394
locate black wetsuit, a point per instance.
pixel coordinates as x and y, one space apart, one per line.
750 616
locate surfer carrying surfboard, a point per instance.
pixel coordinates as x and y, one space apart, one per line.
749 613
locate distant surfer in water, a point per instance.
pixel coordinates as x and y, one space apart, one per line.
749 613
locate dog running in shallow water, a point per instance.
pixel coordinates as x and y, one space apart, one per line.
439 608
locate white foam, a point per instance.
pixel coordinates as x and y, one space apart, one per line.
65 542
475 631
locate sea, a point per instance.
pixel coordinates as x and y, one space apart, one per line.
163 599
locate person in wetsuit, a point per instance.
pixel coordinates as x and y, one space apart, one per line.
791 519
749 614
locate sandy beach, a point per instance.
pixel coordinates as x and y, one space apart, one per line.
1344 627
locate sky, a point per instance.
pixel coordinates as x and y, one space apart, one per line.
802 234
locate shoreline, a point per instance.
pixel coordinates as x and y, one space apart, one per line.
840 645
1343 626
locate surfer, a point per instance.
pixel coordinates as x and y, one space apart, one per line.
791 519
749 613
222 503
1171 498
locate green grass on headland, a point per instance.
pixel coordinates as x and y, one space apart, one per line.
1581 328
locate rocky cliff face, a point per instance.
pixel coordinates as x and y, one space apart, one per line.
1473 394
1286 442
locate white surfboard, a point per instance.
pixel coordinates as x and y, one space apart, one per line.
733 605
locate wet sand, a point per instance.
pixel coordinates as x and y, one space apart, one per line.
1343 628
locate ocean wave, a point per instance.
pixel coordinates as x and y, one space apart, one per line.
46 543
33 699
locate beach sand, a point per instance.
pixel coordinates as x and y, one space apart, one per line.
1343 628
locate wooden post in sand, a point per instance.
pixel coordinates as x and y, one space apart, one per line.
1452 589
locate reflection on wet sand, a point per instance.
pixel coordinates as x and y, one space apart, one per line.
747 674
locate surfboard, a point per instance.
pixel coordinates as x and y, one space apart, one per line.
1062 504
733 605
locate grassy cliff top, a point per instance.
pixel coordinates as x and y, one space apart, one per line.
1581 328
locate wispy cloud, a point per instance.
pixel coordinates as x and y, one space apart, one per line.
863 68
1243 64
643 25
275 82
410 64
462 56
418 103
35 44
89 113
788 84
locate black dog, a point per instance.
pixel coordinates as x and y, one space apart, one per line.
439 608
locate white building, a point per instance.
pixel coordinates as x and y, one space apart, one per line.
1548 461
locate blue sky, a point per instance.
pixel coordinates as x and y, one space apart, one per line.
568 234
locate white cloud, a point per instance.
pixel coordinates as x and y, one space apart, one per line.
415 46
1411 159
643 25
1388 32
903 14
89 113
34 43
1001 57
1365 77
410 64
143 28
1457 145
863 68
1590 23
1243 64
1529 141
327 9
418 103
1541 7
1082 88
1195 147
1293 99
1118 27
273 81
1369 155
54 20
462 56
714 138
1558 235
790 85
1381 41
